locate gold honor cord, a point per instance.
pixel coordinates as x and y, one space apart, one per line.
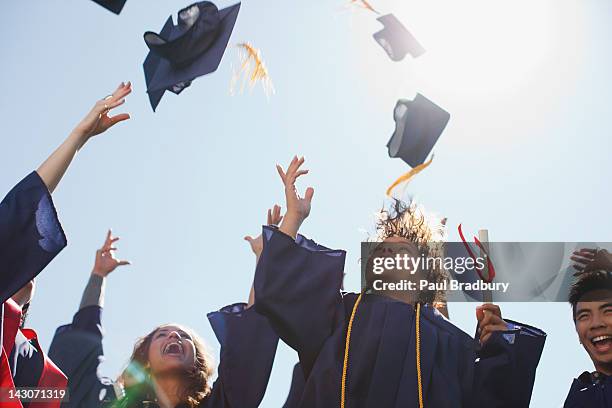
346 353
409 175
418 353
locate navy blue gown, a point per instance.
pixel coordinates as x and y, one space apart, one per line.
297 387
248 346
589 391
30 234
297 286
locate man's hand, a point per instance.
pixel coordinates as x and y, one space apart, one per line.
588 260
298 208
105 257
274 218
489 321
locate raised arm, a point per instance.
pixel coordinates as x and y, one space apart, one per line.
92 300
507 360
274 218
77 347
297 281
95 122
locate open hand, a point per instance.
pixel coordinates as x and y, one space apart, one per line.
105 257
97 120
297 207
588 260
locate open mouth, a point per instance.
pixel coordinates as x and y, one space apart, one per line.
173 349
602 344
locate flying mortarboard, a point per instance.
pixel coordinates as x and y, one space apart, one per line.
112 5
418 126
194 47
396 40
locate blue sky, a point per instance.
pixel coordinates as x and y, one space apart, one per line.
526 152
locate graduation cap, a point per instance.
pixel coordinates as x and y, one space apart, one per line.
418 126
194 47
396 40
112 5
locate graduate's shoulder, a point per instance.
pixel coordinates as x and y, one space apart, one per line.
445 325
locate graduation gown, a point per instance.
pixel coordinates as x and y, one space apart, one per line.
30 237
588 391
30 234
248 345
297 387
297 286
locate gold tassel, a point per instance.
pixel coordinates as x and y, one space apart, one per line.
364 4
252 70
409 175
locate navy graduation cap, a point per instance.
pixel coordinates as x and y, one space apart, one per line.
418 126
192 48
396 40
112 5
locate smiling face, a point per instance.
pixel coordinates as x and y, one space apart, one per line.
171 349
594 327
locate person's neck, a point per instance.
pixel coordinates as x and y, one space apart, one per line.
604 368
168 389
410 297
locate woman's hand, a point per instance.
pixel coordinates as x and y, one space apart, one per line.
298 208
274 218
489 321
97 120
588 260
105 257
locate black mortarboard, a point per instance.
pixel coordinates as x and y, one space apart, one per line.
112 5
396 40
418 125
194 47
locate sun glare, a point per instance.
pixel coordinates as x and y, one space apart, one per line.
481 46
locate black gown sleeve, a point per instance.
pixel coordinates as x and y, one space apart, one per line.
297 286
77 350
506 367
248 346
30 234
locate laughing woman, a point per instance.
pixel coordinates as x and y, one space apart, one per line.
170 366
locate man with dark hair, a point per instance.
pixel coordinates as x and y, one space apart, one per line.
591 300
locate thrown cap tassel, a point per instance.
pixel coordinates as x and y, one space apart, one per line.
252 70
406 177
363 3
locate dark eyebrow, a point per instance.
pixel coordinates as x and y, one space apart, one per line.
609 304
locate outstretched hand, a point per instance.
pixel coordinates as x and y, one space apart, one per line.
97 120
489 321
106 262
274 218
298 208
588 260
